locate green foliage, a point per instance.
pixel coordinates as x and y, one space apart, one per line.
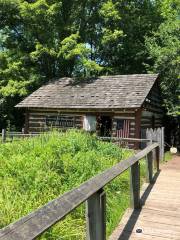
109 12
39 169
45 39
80 54
170 9
168 156
164 49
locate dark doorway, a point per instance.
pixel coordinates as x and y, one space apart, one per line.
105 126
153 122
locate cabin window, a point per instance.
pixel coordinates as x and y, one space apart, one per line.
62 121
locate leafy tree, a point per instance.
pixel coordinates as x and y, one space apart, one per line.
39 40
131 22
45 39
164 49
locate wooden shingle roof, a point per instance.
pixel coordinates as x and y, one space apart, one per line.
119 91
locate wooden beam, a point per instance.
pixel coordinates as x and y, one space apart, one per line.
116 139
149 162
26 129
96 216
3 135
157 150
135 185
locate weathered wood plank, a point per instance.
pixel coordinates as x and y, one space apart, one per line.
149 163
124 139
159 217
135 185
96 216
3 135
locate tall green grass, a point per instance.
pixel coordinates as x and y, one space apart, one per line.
37 170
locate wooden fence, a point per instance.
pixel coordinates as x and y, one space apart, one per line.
91 191
151 135
10 136
7 136
126 140
157 135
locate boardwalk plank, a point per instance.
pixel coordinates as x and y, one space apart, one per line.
159 217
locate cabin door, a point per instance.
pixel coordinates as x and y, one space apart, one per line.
105 126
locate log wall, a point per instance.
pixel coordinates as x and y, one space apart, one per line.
36 120
39 120
152 110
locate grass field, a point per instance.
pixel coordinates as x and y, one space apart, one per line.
37 170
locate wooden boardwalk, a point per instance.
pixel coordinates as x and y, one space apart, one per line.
159 218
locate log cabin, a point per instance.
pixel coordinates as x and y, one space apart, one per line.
118 106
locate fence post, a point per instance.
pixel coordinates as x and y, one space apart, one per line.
162 141
159 140
96 216
149 136
135 185
3 135
149 162
157 158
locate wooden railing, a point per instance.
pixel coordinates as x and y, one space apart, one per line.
156 135
7 136
37 222
116 139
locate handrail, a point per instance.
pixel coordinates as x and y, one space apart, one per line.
37 222
125 139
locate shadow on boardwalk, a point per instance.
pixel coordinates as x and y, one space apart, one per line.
159 217
126 233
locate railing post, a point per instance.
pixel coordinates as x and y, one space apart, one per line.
157 158
3 135
149 162
23 130
96 216
162 142
135 185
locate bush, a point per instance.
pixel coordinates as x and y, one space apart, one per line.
37 170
